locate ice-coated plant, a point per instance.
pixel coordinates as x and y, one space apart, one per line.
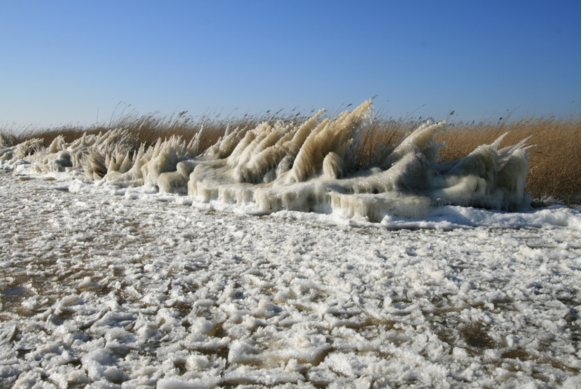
309 166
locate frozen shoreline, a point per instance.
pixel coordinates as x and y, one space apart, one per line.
139 289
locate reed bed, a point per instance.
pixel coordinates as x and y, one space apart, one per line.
554 166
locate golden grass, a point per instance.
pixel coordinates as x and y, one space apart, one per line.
554 167
148 128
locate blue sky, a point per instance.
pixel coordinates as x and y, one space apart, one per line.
74 61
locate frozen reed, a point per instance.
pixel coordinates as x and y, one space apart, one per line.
554 165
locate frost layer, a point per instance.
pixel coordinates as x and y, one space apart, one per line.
118 288
309 167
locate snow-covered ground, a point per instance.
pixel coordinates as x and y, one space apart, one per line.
105 287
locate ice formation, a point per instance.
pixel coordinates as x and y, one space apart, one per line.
136 290
310 167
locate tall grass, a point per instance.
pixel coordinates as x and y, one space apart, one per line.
148 128
554 167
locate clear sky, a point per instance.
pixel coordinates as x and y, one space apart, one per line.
67 62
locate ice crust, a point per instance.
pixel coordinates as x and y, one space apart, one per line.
111 287
307 167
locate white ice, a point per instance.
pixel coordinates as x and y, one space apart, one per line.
105 286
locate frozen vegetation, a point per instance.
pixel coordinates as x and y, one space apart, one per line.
310 167
273 259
